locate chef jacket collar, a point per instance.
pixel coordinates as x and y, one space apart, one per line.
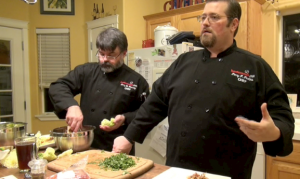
222 54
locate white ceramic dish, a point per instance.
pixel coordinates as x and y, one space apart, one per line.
3 154
179 173
47 143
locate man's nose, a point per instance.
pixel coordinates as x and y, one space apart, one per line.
105 58
206 21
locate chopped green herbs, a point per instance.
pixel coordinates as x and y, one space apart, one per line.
117 162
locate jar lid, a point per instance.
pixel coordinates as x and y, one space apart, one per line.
165 27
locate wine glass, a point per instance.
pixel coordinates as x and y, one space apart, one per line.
297 52
115 8
288 48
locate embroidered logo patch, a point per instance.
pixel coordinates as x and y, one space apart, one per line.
243 77
128 86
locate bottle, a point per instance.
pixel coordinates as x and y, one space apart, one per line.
102 11
186 3
94 14
97 13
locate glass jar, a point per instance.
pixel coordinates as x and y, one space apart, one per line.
38 168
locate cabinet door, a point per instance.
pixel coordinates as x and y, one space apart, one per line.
254 22
188 22
283 170
152 24
242 35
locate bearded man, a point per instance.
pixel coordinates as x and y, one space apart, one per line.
219 101
109 89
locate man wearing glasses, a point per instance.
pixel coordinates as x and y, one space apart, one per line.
109 89
220 102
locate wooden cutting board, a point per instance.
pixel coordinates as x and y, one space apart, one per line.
94 157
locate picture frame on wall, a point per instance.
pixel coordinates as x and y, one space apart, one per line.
57 7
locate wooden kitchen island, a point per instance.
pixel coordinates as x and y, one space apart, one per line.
156 170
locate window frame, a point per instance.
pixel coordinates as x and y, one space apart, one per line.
48 116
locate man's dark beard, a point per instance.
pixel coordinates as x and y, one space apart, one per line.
108 68
207 41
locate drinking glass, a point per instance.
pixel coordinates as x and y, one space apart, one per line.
26 151
297 52
288 50
115 8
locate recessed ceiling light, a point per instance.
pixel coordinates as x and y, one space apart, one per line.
30 1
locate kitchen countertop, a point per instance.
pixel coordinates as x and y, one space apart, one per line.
156 170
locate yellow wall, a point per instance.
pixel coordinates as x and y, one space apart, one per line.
271 30
134 23
14 9
108 8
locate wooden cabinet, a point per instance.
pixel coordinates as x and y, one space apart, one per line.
284 167
249 36
185 19
188 22
153 23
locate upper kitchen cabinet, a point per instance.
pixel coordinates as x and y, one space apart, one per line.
185 19
188 22
249 36
94 28
153 23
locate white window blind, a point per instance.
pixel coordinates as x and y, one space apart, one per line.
53 54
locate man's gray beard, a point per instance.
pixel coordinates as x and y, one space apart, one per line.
207 41
111 68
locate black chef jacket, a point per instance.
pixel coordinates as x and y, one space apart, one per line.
201 97
103 95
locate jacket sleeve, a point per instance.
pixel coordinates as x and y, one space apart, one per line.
280 111
141 95
62 91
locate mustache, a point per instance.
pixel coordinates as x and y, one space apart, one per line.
106 64
206 30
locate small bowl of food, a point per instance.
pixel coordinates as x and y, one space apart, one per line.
11 130
77 141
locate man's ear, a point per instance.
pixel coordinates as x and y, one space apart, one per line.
234 24
125 52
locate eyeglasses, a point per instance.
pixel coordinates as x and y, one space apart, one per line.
211 18
107 57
